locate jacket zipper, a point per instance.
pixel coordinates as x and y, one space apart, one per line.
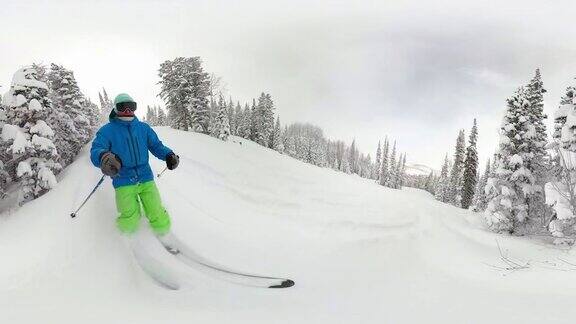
134 150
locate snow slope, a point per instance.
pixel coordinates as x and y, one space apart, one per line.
359 252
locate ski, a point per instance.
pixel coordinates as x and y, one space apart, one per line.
187 256
154 269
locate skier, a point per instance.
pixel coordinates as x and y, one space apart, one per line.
120 150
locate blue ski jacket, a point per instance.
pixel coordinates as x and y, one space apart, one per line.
130 141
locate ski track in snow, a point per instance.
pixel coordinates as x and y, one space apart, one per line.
359 253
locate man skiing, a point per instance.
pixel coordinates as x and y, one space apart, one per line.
120 150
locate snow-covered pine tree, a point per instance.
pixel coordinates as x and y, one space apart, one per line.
443 186
400 172
479 201
106 105
429 183
150 116
353 157
513 181
231 117
5 178
93 114
392 176
263 120
33 154
345 162
276 140
470 169
378 162
73 118
101 99
340 155
213 109
255 124
238 120
241 125
200 90
289 143
384 173
566 105
366 170
330 154
537 139
185 89
369 167
563 165
457 172
162 118
246 128
403 172
221 127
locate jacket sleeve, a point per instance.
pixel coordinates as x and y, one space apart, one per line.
100 144
155 146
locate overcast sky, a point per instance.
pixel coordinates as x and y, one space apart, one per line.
415 71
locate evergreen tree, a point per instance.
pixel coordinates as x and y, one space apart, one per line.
378 161
246 127
262 120
276 141
479 202
443 186
162 117
567 102
73 118
538 161
400 172
5 177
457 172
392 172
353 157
345 162
185 89
255 121
93 114
289 143
150 116
470 169
106 105
213 110
231 117
238 120
306 142
562 170
384 174
222 127
33 155
513 182
429 183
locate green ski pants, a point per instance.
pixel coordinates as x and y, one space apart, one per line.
128 205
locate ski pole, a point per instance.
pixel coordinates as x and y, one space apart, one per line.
89 195
160 174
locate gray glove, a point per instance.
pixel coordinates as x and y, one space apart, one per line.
110 164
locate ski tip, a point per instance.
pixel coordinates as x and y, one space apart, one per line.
285 284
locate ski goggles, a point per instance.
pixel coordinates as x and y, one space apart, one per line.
124 106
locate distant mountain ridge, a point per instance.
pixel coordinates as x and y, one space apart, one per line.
419 169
